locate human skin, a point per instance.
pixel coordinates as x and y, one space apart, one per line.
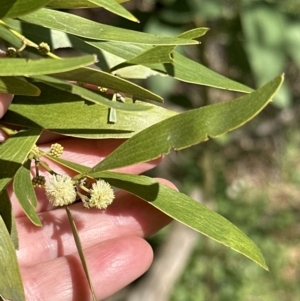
113 239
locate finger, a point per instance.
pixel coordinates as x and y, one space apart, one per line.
127 216
5 101
112 265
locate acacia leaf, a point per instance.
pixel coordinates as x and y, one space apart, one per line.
162 54
187 70
88 94
76 4
182 68
82 27
17 86
190 128
11 287
28 67
16 8
85 120
187 211
104 79
13 153
25 193
8 217
114 7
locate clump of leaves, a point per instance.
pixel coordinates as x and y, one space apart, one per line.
93 92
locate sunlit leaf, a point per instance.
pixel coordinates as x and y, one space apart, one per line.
76 3
189 71
25 193
114 7
16 8
17 86
13 153
11 287
8 217
72 4
162 54
88 29
182 68
190 128
89 95
187 211
27 67
104 79
84 119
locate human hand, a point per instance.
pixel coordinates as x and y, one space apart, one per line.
112 239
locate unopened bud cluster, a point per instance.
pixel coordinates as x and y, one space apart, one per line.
38 181
11 52
35 150
44 48
56 150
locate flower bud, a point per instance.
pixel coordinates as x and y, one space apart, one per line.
11 52
56 150
43 48
38 181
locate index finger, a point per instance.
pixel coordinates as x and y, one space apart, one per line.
5 101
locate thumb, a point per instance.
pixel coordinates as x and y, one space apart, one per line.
5 101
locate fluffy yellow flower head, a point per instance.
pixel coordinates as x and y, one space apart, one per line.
60 190
101 195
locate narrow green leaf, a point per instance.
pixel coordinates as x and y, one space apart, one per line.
13 153
114 7
89 95
17 86
71 4
8 217
162 54
182 68
187 211
27 67
80 251
11 287
111 5
84 119
75 4
88 29
16 8
25 193
190 128
104 79
189 71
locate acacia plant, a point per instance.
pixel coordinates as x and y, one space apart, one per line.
91 96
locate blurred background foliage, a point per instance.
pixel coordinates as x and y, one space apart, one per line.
252 175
